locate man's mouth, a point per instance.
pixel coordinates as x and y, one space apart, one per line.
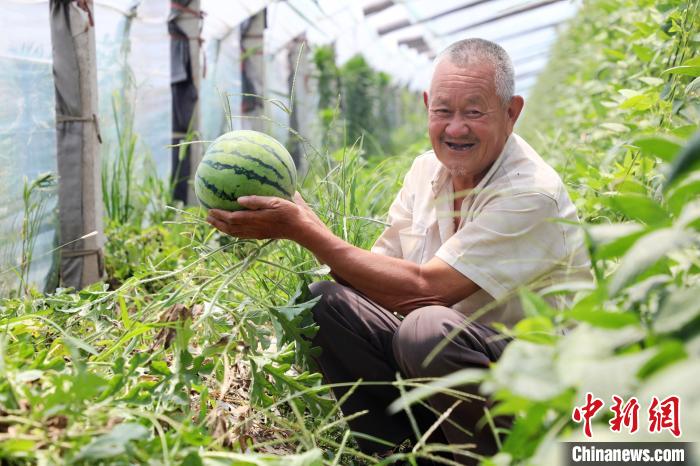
459 146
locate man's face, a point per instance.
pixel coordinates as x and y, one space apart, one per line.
468 123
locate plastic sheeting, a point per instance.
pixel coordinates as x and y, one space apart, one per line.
133 69
277 71
220 92
519 26
27 134
223 16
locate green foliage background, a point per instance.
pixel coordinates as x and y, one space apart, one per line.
356 102
612 110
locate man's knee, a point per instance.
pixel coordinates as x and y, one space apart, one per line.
418 335
322 288
331 299
435 341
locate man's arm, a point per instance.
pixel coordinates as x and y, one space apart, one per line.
396 284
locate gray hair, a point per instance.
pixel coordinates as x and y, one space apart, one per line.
465 52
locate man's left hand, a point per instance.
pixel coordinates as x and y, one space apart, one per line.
266 218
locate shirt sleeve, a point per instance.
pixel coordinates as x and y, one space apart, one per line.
510 242
400 216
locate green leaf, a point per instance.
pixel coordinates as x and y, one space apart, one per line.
684 132
116 382
644 53
114 443
658 147
683 192
306 383
294 322
528 370
124 312
192 459
668 353
639 207
526 431
684 70
686 161
695 61
615 127
651 81
534 305
259 386
689 216
608 232
87 385
639 292
693 87
603 319
679 309
537 329
77 343
640 102
613 240
614 54
13 445
28 376
160 367
630 185
645 253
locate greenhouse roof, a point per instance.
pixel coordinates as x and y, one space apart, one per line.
526 29
401 37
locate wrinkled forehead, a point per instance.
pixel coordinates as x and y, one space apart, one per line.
473 81
465 100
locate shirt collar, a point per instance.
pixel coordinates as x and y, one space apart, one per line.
442 175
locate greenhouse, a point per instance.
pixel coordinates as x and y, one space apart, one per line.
334 232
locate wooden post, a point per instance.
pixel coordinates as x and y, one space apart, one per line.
185 26
253 72
77 134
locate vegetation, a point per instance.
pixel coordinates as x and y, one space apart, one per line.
196 351
616 104
355 101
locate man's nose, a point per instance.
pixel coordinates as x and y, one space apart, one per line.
458 126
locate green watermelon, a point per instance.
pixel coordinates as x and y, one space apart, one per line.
243 163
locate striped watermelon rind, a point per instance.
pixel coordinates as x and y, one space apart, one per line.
244 163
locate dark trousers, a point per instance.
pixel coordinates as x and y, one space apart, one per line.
360 339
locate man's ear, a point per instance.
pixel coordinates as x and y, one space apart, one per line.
425 98
514 108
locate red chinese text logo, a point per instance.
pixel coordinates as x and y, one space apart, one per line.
626 415
586 412
665 415
662 414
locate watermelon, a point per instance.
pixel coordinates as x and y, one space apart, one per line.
243 163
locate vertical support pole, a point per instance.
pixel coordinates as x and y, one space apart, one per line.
298 59
253 72
77 134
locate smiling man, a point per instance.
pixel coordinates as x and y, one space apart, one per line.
471 225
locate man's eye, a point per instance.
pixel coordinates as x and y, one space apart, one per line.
473 113
441 111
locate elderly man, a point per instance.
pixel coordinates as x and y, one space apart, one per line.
471 224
